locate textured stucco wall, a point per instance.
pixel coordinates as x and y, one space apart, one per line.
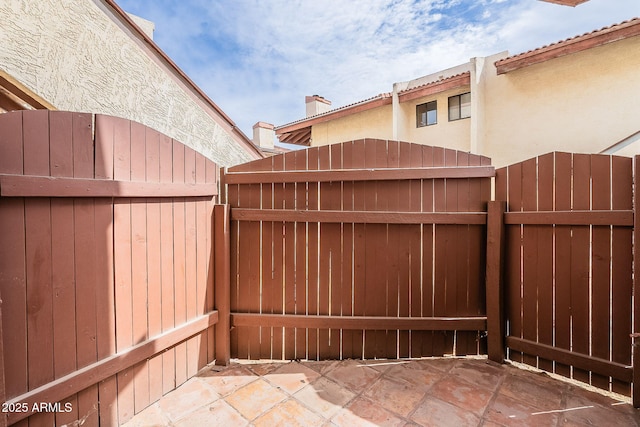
78 57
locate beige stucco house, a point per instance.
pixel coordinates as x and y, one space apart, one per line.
580 95
90 56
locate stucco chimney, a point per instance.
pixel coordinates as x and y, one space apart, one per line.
263 135
316 105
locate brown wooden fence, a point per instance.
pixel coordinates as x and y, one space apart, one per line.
105 265
569 266
367 249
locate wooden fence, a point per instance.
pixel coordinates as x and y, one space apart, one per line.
569 266
105 265
368 249
109 261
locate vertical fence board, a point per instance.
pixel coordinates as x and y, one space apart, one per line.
392 188
423 290
600 300
191 283
621 270
104 273
122 262
289 261
139 268
512 278
359 251
313 251
580 254
545 258
563 259
38 259
465 340
267 271
63 260
530 266
167 264
278 261
154 262
179 260
347 255
13 286
300 163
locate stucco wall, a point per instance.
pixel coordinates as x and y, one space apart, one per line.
76 55
454 134
583 102
374 123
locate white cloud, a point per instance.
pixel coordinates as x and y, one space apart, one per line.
257 60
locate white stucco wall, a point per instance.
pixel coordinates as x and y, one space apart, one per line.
78 56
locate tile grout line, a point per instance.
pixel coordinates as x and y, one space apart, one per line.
494 397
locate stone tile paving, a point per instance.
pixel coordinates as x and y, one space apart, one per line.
424 392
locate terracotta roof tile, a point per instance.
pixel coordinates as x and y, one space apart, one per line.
563 47
381 96
435 82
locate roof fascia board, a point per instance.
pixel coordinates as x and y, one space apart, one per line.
436 87
162 58
22 92
335 114
570 46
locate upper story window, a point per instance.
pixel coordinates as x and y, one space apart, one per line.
427 114
460 106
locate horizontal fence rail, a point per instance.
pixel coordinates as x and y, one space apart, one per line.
359 217
45 186
358 174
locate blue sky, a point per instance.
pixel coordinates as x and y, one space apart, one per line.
257 60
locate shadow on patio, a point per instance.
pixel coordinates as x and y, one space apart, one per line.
429 392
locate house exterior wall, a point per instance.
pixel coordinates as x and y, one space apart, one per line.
584 102
452 134
374 123
79 56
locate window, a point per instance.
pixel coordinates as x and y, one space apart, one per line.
426 114
460 106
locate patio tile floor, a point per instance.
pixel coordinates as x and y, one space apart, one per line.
424 392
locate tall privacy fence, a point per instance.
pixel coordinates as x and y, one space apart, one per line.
116 267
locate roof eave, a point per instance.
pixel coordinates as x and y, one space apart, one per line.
460 80
181 75
335 114
577 44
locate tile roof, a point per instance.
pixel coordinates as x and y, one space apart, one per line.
609 34
383 98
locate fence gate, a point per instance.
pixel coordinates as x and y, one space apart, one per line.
569 266
105 250
367 249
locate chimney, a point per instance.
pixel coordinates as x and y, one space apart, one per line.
264 135
316 105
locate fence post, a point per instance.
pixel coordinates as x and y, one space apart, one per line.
494 281
222 282
636 285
